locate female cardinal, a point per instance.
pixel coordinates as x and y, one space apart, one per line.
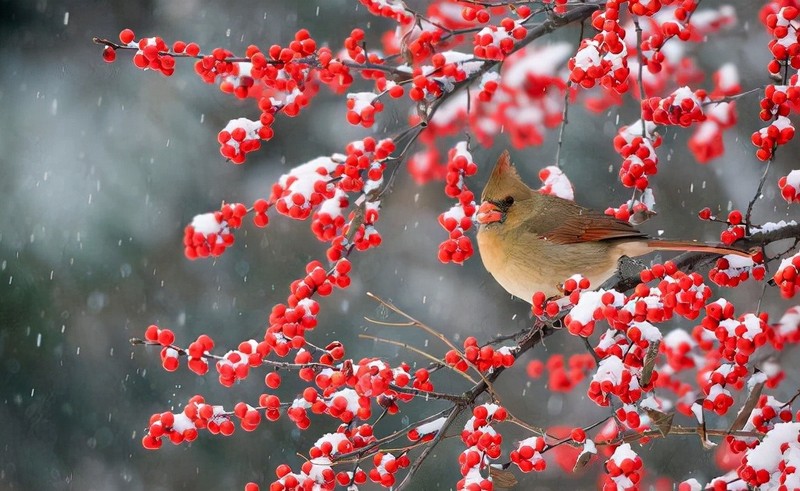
533 242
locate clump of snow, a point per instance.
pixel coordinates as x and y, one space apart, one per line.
206 224
772 226
556 183
767 455
361 100
432 427
589 301
611 369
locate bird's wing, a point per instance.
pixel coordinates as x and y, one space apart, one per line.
592 228
569 223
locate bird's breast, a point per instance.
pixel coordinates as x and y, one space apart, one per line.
541 265
520 273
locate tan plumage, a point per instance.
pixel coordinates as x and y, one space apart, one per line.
533 242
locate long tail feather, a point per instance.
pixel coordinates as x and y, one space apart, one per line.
677 245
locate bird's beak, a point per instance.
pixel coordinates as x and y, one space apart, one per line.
489 213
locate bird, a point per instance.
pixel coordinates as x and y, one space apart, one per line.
532 242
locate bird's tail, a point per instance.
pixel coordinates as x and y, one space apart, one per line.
686 245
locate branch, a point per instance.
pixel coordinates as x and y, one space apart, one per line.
532 337
578 14
690 261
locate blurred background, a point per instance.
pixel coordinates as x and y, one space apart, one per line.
103 165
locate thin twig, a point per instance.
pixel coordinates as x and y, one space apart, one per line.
441 337
417 351
451 418
565 112
751 204
640 78
731 98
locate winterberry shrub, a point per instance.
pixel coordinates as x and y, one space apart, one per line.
666 353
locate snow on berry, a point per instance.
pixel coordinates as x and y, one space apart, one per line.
678 347
153 54
393 9
683 107
235 365
238 138
787 277
790 186
304 187
183 427
771 464
732 269
779 132
613 377
635 211
603 61
460 164
768 412
362 107
718 398
581 318
386 466
495 42
240 81
458 219
210 234
556 183
788 327
624 468
488 85
706 142
482 442
527 456
472 461
528 100
328 220
427 431
636 144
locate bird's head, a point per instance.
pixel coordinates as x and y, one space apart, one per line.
502 192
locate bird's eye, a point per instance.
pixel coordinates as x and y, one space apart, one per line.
508 201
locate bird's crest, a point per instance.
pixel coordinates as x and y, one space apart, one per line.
504 181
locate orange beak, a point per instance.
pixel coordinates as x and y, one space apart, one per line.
489 213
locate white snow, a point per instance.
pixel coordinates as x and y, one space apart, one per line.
787 262
677 337
206 224
793 179
589 301
557 183
753 325
789 322
182 423
772 226
694 484
350 395
432 427
767 455
650 333
611 369
318 466
333 206
334 439
361 100
727 77
544 61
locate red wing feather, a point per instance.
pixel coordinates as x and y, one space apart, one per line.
592 228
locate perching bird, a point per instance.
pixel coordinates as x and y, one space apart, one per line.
533 242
